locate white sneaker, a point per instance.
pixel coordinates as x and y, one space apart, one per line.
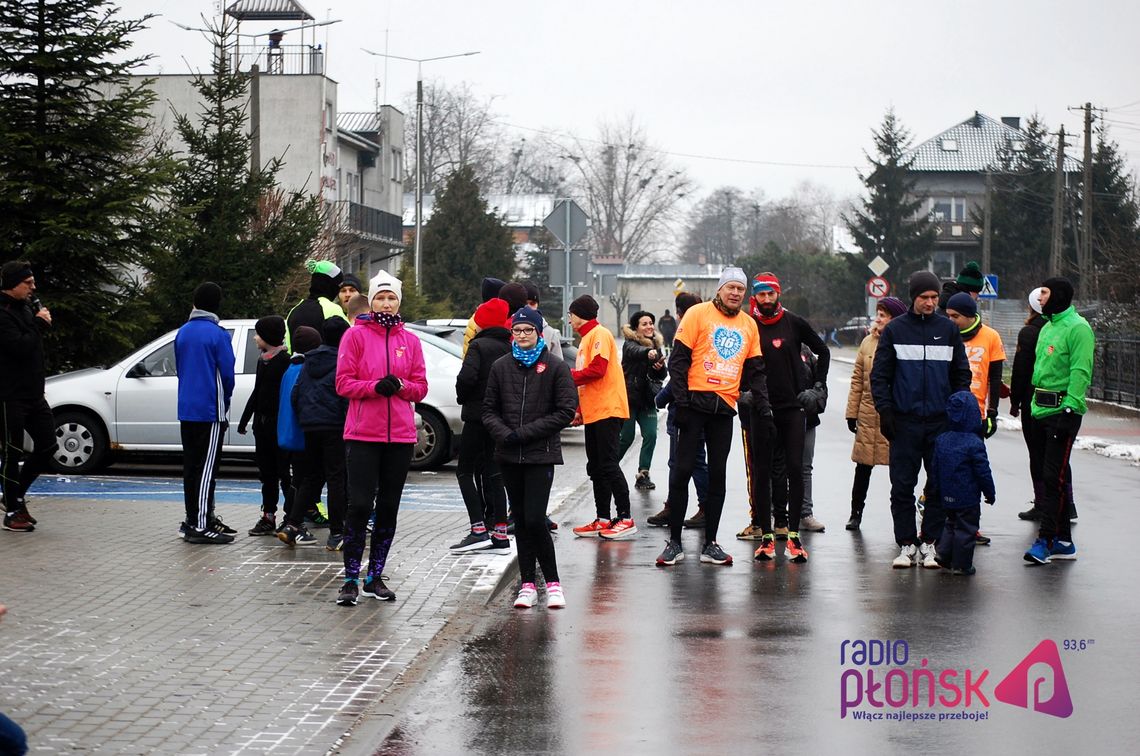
554 597
527 596
926 553
906 557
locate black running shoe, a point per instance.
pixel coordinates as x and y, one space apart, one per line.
193 535
266 526
215 523
348 593
376 588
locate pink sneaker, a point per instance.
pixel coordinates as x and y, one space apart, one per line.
528 594
554 597
620 529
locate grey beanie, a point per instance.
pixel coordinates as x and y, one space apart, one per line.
732 273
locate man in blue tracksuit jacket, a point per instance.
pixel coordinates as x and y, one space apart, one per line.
204 357
919 363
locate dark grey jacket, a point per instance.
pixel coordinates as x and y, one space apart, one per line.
535 403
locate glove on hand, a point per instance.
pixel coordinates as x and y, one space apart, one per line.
764 427
989 425
852 425
887 424
388 385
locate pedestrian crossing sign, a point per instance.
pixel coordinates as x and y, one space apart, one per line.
989 287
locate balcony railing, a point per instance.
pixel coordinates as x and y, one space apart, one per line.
287 60
372 223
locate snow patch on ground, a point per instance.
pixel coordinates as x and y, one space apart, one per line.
1101 446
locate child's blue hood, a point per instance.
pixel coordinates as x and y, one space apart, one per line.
963 412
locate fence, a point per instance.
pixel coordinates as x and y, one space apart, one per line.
1116 371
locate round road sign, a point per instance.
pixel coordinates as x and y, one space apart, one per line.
878 287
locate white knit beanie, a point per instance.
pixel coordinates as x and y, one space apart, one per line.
384 281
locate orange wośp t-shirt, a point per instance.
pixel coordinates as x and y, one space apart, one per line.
604 397
984 348
720 345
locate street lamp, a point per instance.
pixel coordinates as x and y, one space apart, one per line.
419 137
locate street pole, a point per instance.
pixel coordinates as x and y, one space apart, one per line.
1084 258
419 167
1058 208
566 329
987 224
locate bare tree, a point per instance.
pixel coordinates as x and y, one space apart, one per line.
631 191
718 228
459 130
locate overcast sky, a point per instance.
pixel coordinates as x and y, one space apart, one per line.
749 85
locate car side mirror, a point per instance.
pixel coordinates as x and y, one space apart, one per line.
138 371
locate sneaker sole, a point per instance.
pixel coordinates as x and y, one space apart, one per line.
591 534
1035 560
285 540
517 605
20 530
897 566
378 598
498 551
618 536
344 602
200 540
1063 557
931 565
742 537
709 560
481 545
307 543
555 606
763 558
665 562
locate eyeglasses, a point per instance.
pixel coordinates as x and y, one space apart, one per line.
522 331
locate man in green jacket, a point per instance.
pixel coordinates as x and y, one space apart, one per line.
1061 376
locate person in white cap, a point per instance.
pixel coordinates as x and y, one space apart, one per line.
716 351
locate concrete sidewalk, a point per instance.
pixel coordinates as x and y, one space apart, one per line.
120 638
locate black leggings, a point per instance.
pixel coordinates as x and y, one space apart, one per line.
1051 446
693 428
791 426
860 486
480 480
376 475
529 489
17 416
272 471
321 462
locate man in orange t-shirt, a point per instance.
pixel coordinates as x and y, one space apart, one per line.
604 409
986 354
715 352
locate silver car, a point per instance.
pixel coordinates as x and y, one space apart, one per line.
132 406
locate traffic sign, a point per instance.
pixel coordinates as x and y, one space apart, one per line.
567 222
989 287
878 287
878 266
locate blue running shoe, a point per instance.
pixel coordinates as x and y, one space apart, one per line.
1063 550
1039 552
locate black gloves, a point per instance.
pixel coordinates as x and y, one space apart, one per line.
388 385
814 399
513 437
852 425
887 424
1069 421
989 425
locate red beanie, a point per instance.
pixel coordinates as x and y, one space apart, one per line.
766 282
493 312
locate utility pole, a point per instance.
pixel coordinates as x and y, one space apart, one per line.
1058 207
1084 252
987 224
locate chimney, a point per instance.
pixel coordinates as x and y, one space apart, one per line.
1014 122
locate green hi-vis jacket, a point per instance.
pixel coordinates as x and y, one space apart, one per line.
1064 361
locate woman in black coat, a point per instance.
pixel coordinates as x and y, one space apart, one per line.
530 398
643 362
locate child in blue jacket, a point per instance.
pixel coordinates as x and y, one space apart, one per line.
961 470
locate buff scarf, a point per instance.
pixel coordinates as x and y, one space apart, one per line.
387 320
766 320
528 357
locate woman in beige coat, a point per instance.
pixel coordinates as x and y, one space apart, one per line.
870 447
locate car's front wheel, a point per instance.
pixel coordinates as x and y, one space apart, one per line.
81 443
433 440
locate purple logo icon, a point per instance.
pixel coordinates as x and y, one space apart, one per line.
1038 683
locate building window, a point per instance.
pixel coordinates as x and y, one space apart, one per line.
397 167
950 145
952 209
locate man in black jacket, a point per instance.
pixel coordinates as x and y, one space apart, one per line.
530 398
480 481
22 404
919 363
782 336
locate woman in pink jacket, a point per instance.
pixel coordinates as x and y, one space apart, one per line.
380 370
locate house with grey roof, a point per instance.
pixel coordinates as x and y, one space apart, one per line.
950 172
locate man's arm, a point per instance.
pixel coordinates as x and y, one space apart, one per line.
680 360
592 372
883 372
1082 345
811 339
995 385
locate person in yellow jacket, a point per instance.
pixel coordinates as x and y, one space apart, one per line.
322 303
604 409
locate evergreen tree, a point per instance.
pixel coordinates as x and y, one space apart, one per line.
81 186
817 285
463 243
1021 210
890 223
1116 226
245 232
414 304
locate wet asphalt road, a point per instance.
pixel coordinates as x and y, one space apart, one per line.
746 659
